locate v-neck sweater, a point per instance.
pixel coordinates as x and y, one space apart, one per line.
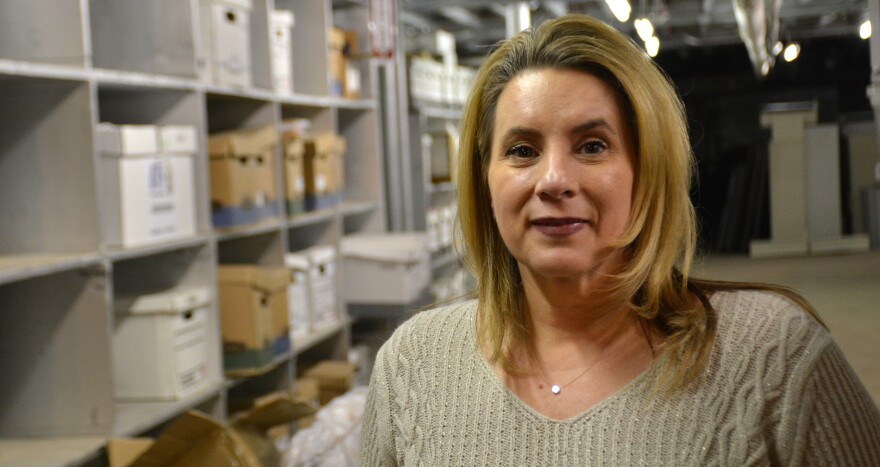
776 391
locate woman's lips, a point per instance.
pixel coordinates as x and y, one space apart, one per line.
559 226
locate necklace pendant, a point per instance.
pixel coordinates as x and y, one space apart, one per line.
555 389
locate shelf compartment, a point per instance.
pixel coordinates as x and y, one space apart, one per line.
136 418
42 31
310 38
140 106
139 252
55 355
47 172
50 451
264 249
150 37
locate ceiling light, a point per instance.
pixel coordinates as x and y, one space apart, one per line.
865 29
791 52
777 48
765 68
644 28
620 9
652 45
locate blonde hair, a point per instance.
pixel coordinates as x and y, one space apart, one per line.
660 240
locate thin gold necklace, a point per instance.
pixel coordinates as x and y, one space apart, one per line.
557 389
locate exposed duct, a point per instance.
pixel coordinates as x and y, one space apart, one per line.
758 24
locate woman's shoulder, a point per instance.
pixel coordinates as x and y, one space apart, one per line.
767 321
435 324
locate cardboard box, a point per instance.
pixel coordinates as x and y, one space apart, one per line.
281 45
385 268
226 42
294 174
334 378
254 316
196 439
308 390
298 295
161 344
322 281
337 61
324 164
148 197
243 176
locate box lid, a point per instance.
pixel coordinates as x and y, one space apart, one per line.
172 301
390 247
298 261
265 278
242 4
274 409
127 139
329 143
282 18
243 141
321 254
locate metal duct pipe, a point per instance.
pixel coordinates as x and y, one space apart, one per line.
759 31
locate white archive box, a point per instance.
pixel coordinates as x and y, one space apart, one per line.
147 197
226 41
390 268
178 139
322 283
282 60
161 348
298 294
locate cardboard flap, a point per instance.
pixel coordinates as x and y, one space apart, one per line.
273 410
188 433
329 143
265 278
121 452
246 141
294 149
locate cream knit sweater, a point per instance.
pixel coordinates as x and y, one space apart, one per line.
776 391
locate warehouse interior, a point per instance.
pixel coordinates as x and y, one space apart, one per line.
165 165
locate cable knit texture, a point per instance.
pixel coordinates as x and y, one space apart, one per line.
776 391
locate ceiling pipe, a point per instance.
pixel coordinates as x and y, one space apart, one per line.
759 31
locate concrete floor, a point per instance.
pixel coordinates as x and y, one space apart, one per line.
845 289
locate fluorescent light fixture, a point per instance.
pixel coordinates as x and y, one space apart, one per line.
865 29
791 52
644 28
620 9
765 68
652 45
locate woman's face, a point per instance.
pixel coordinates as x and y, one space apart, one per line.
561 173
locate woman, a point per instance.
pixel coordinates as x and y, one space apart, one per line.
589 343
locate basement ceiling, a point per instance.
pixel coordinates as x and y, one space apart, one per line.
477 25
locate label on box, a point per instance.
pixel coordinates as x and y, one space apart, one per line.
161 209
300 184
321 182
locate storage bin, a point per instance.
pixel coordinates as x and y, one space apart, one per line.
294 174
226 42
148 197
161 348
298 295
386 268
253 314
242 176
324 167
322 281
282 60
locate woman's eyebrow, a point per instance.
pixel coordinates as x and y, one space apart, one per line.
519 132
592 125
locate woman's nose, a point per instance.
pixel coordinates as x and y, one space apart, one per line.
555 179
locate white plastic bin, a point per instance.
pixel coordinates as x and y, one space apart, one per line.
386 268
298 295
322 281
160 344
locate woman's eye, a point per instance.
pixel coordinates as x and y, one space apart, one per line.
594 147
521 151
